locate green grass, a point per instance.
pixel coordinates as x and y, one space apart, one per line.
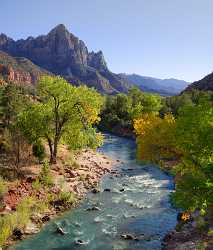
67 197
20 217
3 188
71 163
45 176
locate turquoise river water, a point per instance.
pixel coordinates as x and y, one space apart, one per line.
138 204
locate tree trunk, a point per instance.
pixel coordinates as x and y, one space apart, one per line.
17 152
52 160
55 151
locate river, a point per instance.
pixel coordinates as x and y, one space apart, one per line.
138 204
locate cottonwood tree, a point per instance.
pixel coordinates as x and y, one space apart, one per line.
64 113
155 137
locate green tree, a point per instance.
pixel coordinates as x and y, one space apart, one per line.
155 137
120 110
142 102
13 99
175 103
194 138
64 114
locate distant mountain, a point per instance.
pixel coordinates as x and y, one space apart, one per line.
204 84
165 87
19 70
61 53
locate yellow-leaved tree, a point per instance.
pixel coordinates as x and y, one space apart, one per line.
155 137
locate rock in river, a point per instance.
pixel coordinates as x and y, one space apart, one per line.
107 190
95 191
81 242
93 209
129 237
60 230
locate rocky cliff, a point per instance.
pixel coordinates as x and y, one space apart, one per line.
19 70
61 53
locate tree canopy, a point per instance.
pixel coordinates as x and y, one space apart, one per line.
120 110
188 140
63 113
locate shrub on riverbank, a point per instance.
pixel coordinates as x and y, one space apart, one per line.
45 177
19 218
67 198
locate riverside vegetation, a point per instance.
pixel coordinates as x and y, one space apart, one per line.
174 132
177 134
55 114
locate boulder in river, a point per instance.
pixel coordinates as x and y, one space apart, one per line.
114 171
60 231
93 209
81 242
31 228
107 190
129 237
95 190
77 224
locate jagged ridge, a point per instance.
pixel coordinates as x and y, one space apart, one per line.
61 53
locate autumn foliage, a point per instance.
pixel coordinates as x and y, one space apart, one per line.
155 137
187 139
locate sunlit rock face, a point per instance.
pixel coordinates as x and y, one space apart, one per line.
19 70
62 53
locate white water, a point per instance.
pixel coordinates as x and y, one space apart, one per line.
143 209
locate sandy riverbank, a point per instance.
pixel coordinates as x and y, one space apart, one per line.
77 174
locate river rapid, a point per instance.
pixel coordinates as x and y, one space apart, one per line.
137 204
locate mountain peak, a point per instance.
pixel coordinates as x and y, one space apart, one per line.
4 38
62 53
60 28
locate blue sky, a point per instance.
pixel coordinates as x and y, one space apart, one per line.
159 38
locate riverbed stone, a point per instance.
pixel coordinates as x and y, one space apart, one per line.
18 233
60 231
129 237
31 228
95 208
107 190
95 190
45 218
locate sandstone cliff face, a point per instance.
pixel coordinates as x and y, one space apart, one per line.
17 77
19 70
61 53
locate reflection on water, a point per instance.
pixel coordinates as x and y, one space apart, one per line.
138 204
